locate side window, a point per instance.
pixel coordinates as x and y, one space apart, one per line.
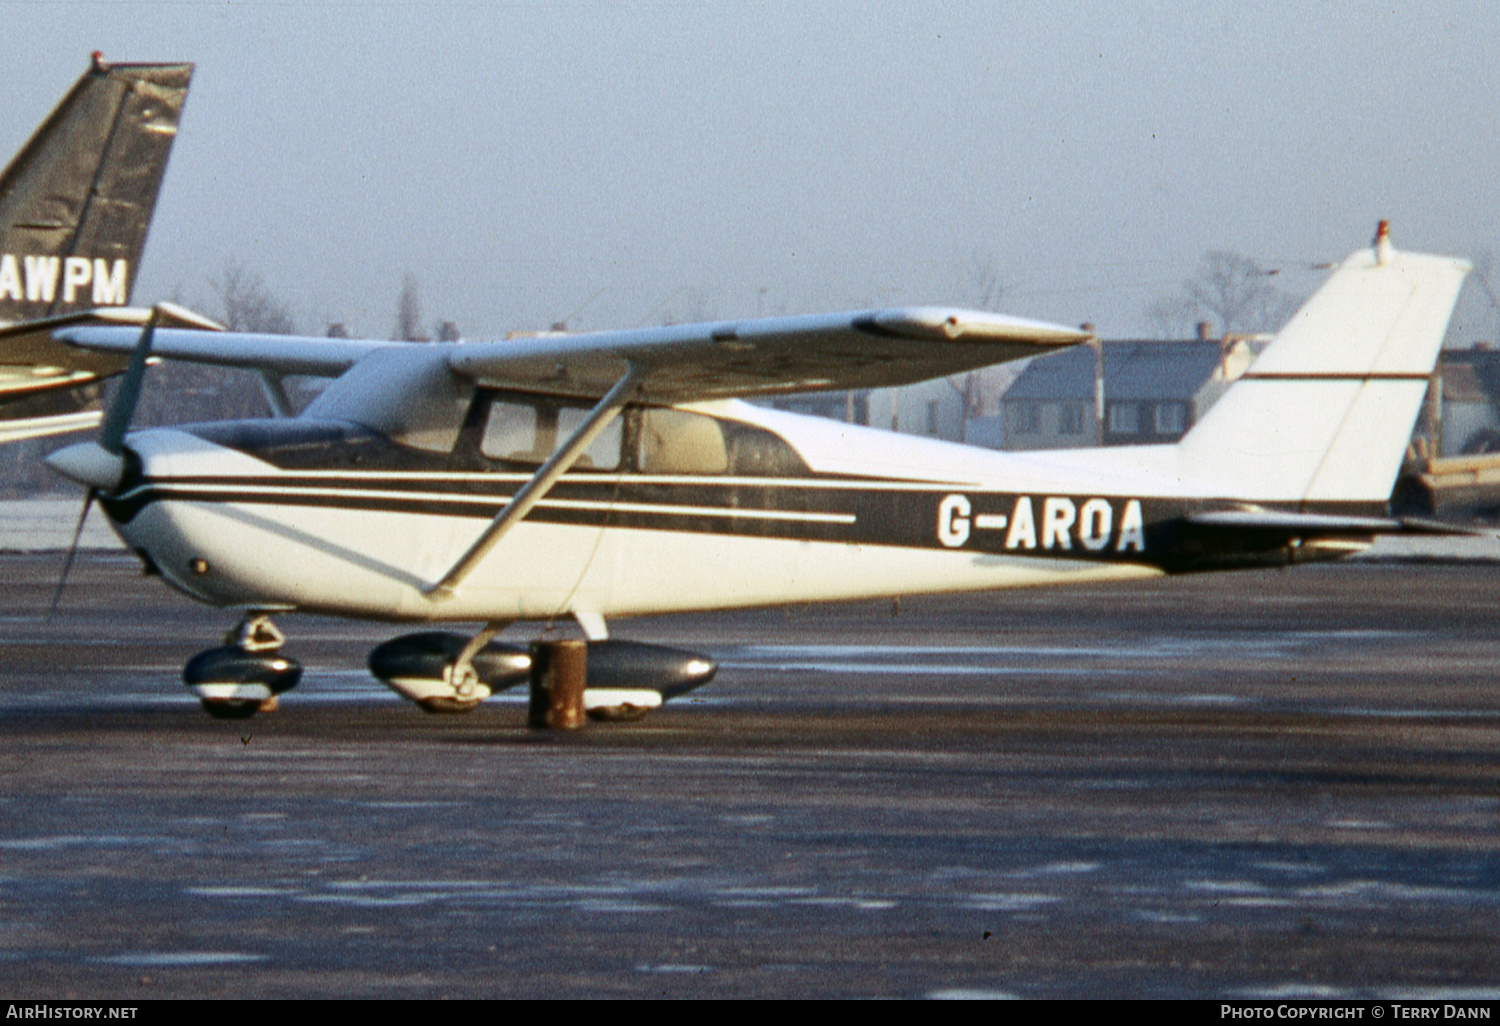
511 432
757 453
603 452
1026 417
679 442
529 429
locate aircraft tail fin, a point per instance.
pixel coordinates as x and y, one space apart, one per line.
1325 413
76 201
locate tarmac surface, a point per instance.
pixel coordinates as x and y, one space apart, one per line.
1257 785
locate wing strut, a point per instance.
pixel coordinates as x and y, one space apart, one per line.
541 482
274 389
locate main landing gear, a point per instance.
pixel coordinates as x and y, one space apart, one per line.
244 675
444 672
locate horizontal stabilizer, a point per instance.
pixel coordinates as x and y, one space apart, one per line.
1320 524
1239 538
15 426
39 355
49 387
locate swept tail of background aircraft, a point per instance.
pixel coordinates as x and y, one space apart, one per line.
75 206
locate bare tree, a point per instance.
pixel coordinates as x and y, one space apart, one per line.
1230 287
984 285
1231 291
1172 317
694 306
246 304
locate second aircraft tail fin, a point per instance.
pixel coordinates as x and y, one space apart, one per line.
76 201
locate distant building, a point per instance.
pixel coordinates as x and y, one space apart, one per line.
1050 405
1469 394
942 408
1153 392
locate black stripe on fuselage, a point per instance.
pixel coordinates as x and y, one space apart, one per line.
894 513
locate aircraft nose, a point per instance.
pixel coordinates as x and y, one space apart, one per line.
90 464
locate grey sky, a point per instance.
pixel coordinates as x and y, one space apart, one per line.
615 161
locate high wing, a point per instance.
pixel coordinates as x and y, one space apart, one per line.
682 363
677 363
278 354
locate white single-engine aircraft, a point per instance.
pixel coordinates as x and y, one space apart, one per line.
617 473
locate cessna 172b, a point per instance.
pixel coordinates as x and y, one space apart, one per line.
75 204
619 473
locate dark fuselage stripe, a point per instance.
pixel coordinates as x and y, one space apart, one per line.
926 518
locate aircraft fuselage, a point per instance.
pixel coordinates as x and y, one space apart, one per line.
672 510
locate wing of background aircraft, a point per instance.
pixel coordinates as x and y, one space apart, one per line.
75 205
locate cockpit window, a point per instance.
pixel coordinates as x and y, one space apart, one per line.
523 429
526 429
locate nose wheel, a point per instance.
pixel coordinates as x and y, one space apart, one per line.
245 675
